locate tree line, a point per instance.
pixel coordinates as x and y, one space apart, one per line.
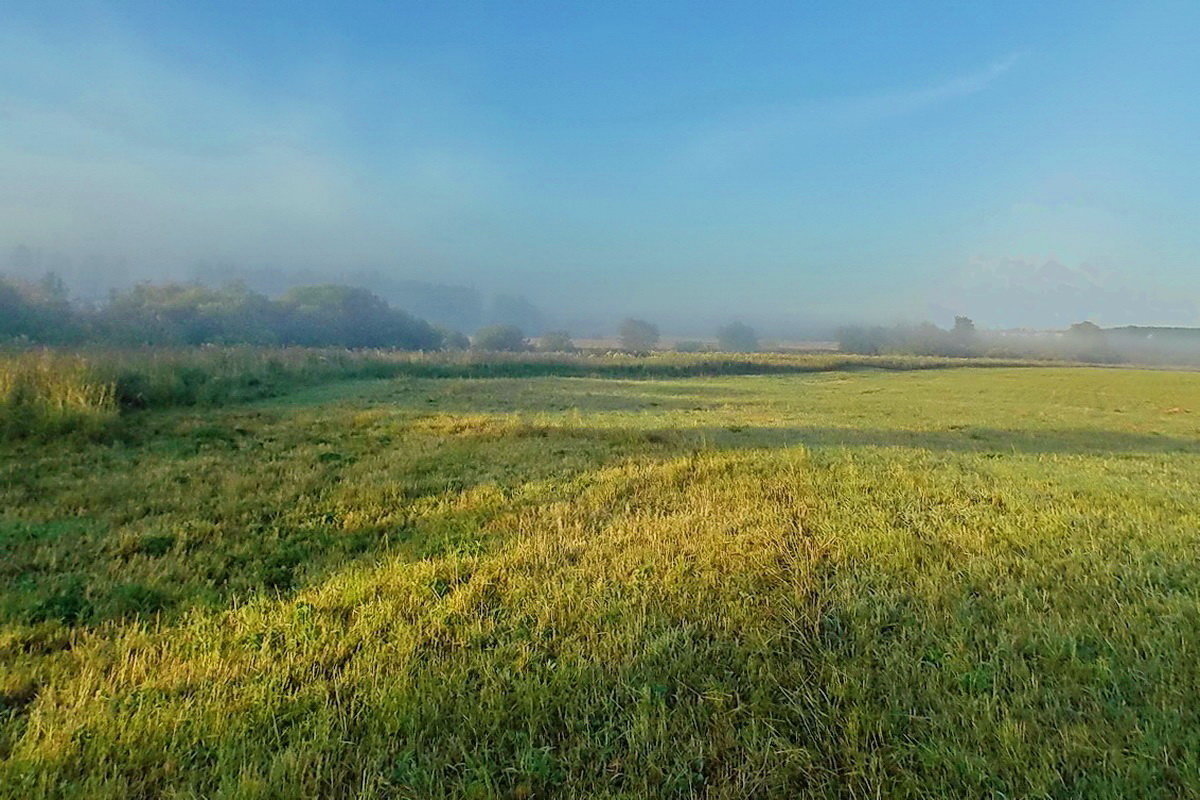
633 336
1082 341
323 315
335 315
186 314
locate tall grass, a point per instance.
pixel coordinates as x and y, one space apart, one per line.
51 393
48 393
214 376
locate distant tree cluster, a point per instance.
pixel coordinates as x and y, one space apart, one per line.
1083 341
445 306
922 339
511 339
39 312
499 339
556 342
188 314
637 335
737 337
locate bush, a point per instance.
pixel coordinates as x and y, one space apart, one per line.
454 340
49 394
38 312
184 314
556 342
499 339
1087 341
637 335
737 337
346 316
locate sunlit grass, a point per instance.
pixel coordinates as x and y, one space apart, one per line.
963 583
48 392
44 392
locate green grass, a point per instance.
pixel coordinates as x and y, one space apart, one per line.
52 394
46 393
950 583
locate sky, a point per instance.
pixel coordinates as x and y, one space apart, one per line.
1024 163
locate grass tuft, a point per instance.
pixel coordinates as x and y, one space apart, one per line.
48 394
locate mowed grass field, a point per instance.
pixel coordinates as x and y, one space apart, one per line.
940 583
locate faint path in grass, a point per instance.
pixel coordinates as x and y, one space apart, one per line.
212 507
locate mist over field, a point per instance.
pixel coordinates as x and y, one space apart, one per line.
797 170
1007 295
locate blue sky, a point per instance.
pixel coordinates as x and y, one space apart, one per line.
1024 163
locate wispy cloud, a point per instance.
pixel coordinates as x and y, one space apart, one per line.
108 147
753 131
905 102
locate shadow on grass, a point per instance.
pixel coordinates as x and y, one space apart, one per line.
981 440
76 588
676 440
503 394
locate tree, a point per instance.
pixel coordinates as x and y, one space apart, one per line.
349 316
188 314
964 340
52 290
556 342
38 312
499 338
193 314
863 341
1087 341
29 312
453 340
1086 330
737 337
637 335
16 314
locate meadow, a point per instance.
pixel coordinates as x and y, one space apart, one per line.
720 577
49 392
